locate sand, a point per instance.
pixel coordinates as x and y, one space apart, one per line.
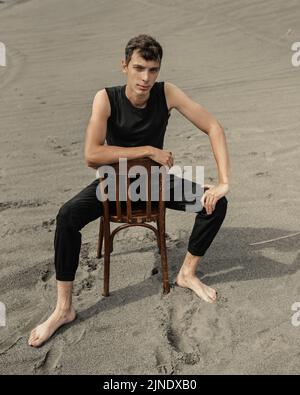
234 58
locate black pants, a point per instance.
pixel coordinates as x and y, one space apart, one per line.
85 207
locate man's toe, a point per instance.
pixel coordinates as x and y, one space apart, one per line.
32 335
35 342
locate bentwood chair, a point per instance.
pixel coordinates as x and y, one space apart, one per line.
132 213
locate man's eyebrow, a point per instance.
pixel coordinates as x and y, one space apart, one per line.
140 65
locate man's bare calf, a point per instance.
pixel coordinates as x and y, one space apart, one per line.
63 314
187 278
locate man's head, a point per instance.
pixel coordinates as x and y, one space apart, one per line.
147 47
143 55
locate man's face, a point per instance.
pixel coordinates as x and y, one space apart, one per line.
141 73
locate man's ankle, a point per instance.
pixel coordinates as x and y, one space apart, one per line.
63 309
186 272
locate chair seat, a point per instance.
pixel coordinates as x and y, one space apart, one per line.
138 215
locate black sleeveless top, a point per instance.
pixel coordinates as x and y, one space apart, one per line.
129 126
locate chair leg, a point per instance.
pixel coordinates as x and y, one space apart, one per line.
100 239
106 259
158 238
106 274
163 256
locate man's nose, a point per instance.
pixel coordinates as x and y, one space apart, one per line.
146 76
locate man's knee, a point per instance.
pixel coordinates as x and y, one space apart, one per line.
221 206
64 216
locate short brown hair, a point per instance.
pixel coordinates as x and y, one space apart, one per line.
147 47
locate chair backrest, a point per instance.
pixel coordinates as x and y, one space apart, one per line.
119 200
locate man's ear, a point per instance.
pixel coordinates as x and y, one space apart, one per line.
123 66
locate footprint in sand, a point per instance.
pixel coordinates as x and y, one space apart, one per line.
48 271
84 285
12 228
50 361
48 224
192 328
262 173
163 364
52 143
14 204
184 351
87 262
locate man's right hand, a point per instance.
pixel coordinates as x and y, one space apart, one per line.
161 156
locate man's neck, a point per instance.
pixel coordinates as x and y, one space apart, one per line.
136 100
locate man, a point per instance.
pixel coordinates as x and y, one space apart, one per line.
133 119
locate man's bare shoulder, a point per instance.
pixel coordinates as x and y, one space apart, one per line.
172 92
169 85
101 104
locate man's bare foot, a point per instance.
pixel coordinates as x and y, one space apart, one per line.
192 282
44 331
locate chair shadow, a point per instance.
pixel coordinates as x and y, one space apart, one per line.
229 258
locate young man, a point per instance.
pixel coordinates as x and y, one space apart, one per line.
133 119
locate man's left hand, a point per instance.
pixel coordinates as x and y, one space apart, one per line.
212 194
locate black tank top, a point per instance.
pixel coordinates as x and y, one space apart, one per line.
129 126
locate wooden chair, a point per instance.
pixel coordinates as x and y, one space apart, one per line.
131 214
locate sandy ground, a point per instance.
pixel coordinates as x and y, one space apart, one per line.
233 57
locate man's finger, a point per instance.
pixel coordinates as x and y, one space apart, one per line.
205 196
210 200
214 202
206 202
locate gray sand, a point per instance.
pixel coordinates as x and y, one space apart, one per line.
235 59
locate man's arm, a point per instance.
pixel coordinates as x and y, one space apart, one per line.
97 154
203 120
